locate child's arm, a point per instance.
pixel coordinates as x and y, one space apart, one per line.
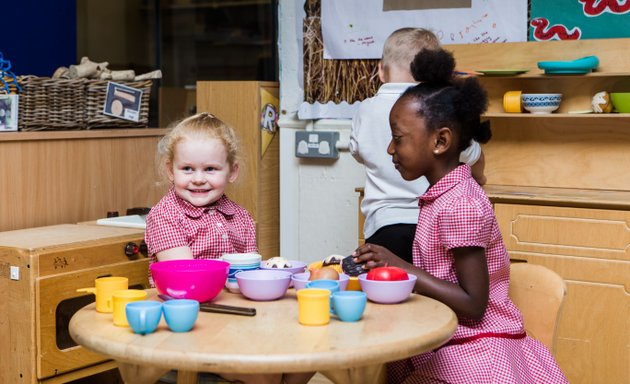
473 156
175 254
468 298
478 169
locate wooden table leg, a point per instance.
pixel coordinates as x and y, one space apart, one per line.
373 374
140 374
186 377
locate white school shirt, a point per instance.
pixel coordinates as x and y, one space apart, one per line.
388 198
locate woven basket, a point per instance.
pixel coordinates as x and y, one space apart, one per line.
96 91
51 104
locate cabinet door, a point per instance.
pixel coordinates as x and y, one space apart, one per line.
590 249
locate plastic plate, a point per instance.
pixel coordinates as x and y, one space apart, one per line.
578 66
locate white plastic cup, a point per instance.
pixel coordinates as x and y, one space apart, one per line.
240 262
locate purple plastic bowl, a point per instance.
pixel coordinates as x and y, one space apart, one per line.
263 284
300 280
297 266
387 292
200 280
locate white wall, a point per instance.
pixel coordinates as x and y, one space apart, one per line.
318 204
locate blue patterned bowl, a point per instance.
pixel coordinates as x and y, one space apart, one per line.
541 102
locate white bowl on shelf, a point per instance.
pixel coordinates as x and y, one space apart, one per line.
539 103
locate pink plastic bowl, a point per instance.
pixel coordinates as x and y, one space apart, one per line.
387 292
300 280
200 280
263 284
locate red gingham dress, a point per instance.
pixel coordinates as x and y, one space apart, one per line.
209 232
454 213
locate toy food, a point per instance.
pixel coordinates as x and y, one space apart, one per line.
350 267
277 262
387 274
601 103
332 260
325 273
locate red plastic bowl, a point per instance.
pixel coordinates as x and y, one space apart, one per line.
200 280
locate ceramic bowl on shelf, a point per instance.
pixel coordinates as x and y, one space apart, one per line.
263 284
540 103
620 101
199 279
387 292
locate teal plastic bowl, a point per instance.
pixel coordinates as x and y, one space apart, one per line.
621 101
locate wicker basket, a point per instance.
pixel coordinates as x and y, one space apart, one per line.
96 91
51 104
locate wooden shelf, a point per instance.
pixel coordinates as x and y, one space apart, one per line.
82 134
527 115
542 75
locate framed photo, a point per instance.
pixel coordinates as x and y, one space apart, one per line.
8 113
122 101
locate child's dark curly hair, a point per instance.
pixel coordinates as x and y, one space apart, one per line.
446 100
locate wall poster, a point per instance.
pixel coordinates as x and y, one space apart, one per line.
357 29
579 19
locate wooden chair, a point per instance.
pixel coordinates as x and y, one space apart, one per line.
538 292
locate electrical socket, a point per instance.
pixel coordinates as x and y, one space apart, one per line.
316 144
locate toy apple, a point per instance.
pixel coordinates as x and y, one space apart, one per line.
387 274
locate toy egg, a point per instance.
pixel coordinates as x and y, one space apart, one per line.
601 103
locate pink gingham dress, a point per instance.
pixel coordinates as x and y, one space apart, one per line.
454 213
223 227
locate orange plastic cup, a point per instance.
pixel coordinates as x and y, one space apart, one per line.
512 102
353 284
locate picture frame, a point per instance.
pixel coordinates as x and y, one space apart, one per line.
9 113
122 102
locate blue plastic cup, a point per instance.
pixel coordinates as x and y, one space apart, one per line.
143 316
181 314
349 305
331 285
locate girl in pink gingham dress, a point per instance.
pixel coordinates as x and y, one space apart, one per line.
195 219
458 253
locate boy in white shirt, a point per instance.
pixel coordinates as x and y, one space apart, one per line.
390 203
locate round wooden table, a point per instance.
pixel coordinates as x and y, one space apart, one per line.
271 342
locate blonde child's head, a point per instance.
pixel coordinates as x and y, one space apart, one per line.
202 126
399 50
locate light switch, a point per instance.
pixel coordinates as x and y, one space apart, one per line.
15 273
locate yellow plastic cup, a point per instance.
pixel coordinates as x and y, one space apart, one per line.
121 299
512 102
103 289
313 306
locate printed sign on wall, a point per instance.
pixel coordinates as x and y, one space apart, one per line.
579 19
357 29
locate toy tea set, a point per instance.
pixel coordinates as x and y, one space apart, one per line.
334 287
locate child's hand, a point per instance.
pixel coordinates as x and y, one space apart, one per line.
372 256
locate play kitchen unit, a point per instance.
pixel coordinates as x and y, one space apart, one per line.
40 271
561 192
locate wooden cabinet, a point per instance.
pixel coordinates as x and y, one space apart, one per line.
251 108
560 184
40 272
58 177
589 248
